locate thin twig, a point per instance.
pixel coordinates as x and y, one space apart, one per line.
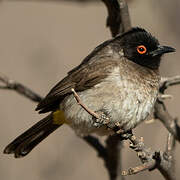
161 113
160 110
151 159
170 144
19 88
83 105
145 155
138 169
164 96
169 81
168 170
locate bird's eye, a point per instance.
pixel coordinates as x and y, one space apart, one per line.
141 49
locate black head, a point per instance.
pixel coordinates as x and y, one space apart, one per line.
142 48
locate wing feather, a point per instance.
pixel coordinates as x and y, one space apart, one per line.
81 79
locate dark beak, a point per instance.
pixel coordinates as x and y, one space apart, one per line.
162 50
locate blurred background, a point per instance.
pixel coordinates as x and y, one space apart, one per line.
40 41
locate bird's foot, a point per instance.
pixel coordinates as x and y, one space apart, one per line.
123 135
103 120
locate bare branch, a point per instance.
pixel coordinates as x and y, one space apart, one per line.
138 169
160 110
125 18
169 169
19 88
118 19
169 81
145 154
170 146
152 160
161 113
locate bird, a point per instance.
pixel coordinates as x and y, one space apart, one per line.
118 80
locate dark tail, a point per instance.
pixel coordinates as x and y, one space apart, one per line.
24 143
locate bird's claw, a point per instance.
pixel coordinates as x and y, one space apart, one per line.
101 121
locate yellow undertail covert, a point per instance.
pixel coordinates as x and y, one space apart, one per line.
59 117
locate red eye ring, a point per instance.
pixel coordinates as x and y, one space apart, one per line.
141 49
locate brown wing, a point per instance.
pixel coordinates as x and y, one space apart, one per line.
81 79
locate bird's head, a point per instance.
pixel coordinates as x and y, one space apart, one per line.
142 48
